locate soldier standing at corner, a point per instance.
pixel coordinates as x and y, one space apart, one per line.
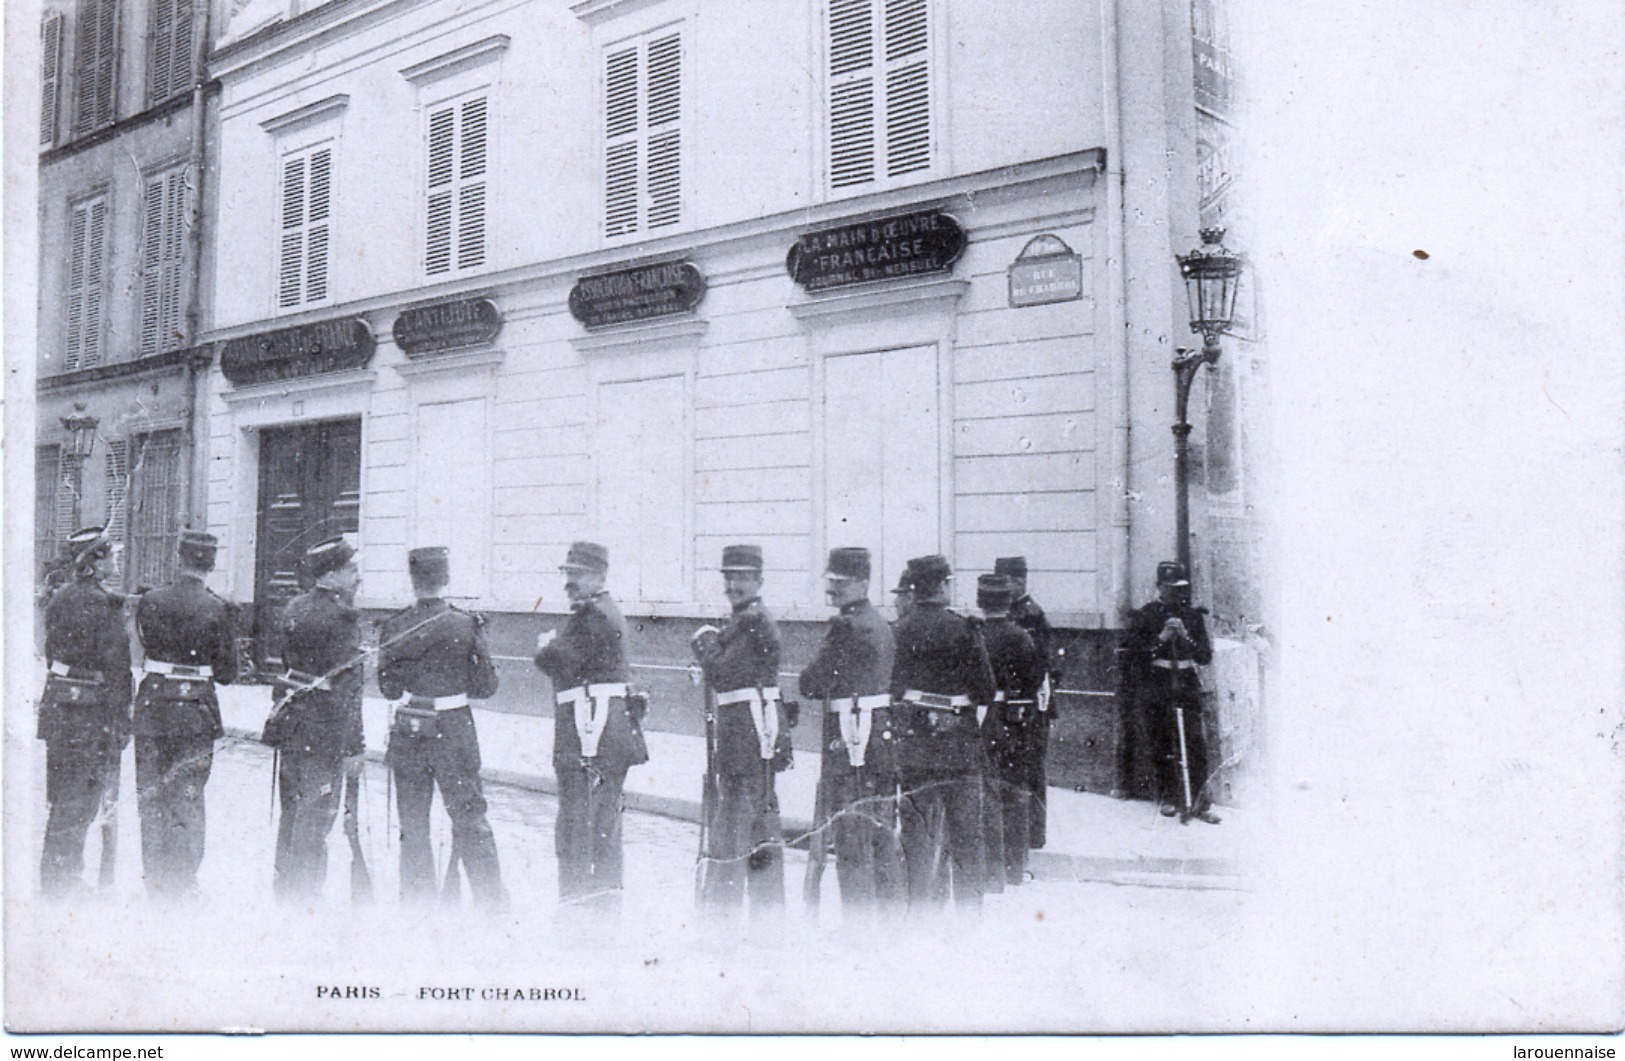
316 722
940 677
1018 671
851 675
432 659
1035 754
741 665
1167 640
185 631
596 737
84 712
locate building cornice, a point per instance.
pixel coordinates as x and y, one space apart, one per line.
457 60
309 114
89 140
197 357
595 12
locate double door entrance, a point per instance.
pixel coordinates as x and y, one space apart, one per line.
309 491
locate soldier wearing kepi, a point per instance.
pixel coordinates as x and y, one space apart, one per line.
940 677
596 731
1166 641
1018 672
851 675
84 712
432 660
185 631
741 666
1030 617
315 723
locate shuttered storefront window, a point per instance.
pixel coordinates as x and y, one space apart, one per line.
458 149
879 86
643 135
305 226
169 64
87 250
163 256
95 64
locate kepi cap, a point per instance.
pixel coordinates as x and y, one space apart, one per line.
329 556
430 564
198 548
1172 573
1011 566
87 544
929 572
994 592
742 558
586 556
849 563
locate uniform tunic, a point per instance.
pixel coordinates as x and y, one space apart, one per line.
1018 671
745 846
1035 753
322 640
177 721
84 720
854 661
591 650
940 755
1161 687
427 651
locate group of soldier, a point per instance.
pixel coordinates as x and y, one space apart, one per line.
933 729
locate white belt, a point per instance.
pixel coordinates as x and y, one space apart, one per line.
764 714
856 714
439 703
87 674
1045 692
306 682
935 701
1184 664
589 707
178 670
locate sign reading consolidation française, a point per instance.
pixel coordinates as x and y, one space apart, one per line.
424 330
293 353
887 248
638 294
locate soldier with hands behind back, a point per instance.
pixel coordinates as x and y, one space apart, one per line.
84 712
1035 750
185 632
432 660
1018 672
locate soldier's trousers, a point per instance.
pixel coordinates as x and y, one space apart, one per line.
310 785
746 845
77 773
1010 803
942 827
868 852
587 833
1037 778
1164 727
170 774
450 758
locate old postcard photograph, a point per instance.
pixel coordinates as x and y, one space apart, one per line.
812 516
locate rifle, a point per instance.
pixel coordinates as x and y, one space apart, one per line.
708 798
360 879
108 814
817 850
1187 810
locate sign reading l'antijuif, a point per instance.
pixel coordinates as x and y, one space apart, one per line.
447 326
886 248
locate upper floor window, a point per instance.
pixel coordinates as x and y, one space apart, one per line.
643 120
458 148
87 250
304 225
163 259
879 90
169 66
95 64
50 76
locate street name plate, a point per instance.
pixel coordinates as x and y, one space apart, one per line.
1036 281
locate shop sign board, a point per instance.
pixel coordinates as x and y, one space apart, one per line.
1045 271
645 292
886 248
424 330
293 353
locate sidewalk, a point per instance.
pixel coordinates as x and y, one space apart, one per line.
1090 837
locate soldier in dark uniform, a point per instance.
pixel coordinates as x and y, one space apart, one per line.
185 631
941 675
432 660
741 665
316 721
851 676
1018 673
1166 641
84 712
596 734
1030 617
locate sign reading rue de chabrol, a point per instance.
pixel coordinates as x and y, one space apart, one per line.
292 353
1045 271
887 248
424 330
642 293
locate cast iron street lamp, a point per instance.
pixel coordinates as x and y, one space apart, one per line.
81 430
1211 277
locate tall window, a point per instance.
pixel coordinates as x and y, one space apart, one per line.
879 84
307 203
458 143
87 248
163 255
95 64
48 532
169 66
643 135
50 75
116 490
155 509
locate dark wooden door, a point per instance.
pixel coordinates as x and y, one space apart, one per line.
310 490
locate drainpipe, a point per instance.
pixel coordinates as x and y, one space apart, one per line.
1116 312
201 11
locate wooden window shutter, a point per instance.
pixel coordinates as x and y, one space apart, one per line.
442 178
643 137
851 92
87 236
163 258
318 216
459 158
664 114
116 493
471 166
879 83
292 252
95 63
67 497
908 87
51 76
305 238
47 483
621 142
169 69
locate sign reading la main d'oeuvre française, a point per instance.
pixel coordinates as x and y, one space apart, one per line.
885 248
293 353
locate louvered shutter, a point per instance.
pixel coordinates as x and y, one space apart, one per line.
170 67
47 482
471 161
442 178
152 259
67 497
879 83
78 229
95 63
318 216
459 148
51 76
621 142
87 232
163 254
291 257
116 492
663 117
305 239
908 87
851 92
643 137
